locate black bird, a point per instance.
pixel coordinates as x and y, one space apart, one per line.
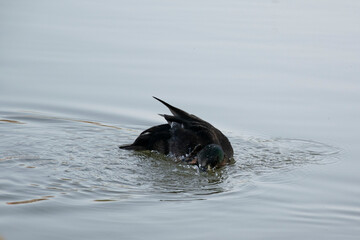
186 137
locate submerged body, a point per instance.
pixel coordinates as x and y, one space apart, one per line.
188 138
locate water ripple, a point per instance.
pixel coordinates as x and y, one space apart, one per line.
74 159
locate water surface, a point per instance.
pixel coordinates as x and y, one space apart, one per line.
280 79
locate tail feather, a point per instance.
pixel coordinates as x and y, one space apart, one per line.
170 119
174 110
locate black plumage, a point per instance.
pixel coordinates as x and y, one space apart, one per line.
184 136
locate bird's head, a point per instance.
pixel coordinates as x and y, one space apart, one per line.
210 157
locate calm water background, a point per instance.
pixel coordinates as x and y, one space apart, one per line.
280 78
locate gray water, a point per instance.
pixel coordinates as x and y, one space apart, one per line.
279 78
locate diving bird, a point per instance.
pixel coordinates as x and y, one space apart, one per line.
186 137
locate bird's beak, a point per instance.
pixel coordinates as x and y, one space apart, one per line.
193 161
204 168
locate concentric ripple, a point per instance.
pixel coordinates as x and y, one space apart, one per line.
79 160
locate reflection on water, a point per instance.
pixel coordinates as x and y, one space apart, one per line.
10 121
30 201
79 160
